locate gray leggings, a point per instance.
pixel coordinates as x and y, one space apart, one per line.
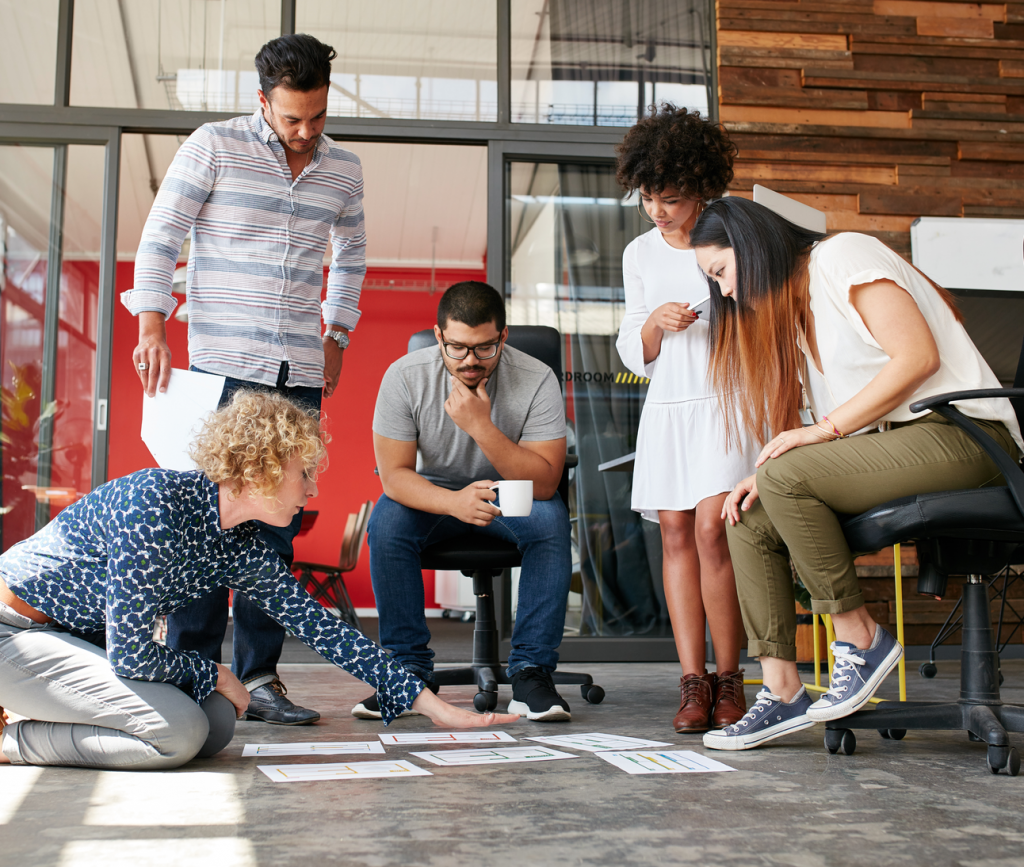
80 714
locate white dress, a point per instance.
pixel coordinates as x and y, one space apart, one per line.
681 456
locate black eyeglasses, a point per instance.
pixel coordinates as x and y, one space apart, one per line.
458 352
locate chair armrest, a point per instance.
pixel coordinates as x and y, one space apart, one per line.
1009 468
973 394
571 460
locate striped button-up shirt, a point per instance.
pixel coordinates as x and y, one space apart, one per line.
255 265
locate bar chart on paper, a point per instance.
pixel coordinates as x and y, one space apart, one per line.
672 762
317 748
500 755
342 771
446 738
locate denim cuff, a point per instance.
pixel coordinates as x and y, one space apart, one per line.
257 682
9 744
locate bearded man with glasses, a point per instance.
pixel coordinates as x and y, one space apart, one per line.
450 421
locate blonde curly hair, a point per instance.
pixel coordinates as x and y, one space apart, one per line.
251 439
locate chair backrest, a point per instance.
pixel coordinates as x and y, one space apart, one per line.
355 535
539 341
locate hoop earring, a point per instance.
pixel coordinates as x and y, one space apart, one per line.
640 210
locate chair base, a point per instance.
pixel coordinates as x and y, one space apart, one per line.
486 672
979 710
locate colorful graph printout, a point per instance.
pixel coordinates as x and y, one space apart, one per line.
496 756
470 737
672 762
318 748
342 771
595 742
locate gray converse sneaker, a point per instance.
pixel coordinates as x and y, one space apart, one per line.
769 718
856 675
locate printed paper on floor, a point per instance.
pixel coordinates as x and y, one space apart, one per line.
342 771
467 737
318 748
496 756
595 742
672 762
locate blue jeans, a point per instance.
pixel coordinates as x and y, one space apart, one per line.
397 534
258 638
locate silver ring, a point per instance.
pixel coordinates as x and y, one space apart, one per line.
143 365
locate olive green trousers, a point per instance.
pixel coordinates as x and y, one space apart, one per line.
795 518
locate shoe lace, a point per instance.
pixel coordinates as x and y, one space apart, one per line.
764 701
843 671
694 689
730 687
278 687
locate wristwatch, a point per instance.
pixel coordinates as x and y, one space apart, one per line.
339 337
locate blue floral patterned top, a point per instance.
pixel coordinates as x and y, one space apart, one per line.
150 542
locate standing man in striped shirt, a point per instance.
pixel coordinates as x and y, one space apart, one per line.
260 197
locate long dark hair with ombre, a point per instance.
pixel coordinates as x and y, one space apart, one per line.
755 358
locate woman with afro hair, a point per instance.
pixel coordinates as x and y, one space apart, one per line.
685 463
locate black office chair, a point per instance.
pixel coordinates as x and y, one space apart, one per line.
484 558
976 533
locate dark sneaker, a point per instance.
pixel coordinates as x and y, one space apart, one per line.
534 696
369 708
268 704
856 674
769 718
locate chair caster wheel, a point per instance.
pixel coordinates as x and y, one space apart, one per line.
840 741
893 734
485 701
446 613
1003 759
973 738
928 669
592 693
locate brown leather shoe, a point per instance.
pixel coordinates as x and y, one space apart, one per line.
694 703
730 702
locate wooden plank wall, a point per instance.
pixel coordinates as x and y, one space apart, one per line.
877 111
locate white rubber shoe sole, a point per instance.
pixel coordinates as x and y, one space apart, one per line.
715 740
555 713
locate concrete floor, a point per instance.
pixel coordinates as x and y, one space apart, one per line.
925 800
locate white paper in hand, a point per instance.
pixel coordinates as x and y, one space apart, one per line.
172 418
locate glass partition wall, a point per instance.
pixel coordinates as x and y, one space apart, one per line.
568 227
543 88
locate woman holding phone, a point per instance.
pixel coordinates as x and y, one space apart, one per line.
676 161
868 334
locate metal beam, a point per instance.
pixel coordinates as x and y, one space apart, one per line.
287 17
504 60
65 28
166 121
105 311
51 321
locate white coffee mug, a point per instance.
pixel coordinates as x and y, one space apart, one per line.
515 498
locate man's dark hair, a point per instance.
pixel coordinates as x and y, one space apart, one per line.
472 303
299 62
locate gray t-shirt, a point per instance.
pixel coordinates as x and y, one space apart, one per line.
526 406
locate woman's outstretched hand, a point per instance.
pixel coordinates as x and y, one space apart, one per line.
788 439
443 714
743 496
232 689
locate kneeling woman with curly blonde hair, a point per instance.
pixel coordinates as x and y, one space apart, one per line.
144 545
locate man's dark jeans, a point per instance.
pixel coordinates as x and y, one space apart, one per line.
258 638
